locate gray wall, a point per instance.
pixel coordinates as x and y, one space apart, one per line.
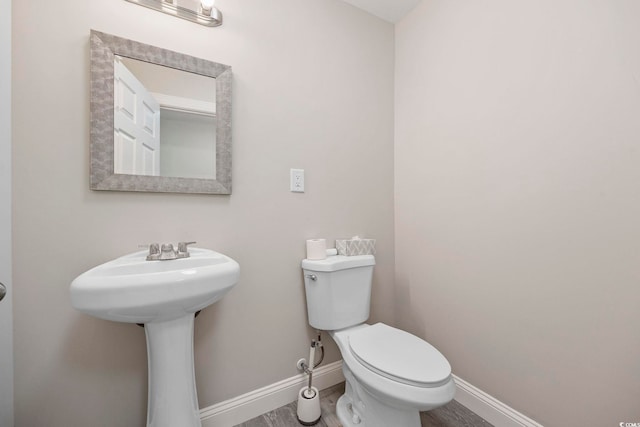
313 89
517 147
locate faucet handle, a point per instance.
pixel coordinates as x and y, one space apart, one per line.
154 251
183 251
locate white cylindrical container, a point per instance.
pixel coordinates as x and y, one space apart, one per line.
316 249
309 406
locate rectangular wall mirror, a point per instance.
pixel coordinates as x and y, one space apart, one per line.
160 120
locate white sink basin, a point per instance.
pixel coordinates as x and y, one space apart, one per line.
164 295
132 289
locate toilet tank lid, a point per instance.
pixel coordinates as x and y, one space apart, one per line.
338 262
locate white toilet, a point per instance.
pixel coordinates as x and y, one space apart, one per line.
390 374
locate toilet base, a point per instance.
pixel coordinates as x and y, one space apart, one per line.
348 418
344 413
358 408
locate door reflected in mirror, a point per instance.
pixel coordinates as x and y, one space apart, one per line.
164 121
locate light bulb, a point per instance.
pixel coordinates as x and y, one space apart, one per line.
207 4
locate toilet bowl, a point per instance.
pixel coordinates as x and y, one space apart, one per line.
390 376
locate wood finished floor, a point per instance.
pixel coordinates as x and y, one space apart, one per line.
451 415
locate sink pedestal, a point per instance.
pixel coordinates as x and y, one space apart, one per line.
173 399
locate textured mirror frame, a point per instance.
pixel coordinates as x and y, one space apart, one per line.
103 49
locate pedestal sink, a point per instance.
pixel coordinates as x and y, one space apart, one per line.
164 295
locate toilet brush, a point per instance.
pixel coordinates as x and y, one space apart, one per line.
309 397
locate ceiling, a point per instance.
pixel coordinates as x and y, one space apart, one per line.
389 10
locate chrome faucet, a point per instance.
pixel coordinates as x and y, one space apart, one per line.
167 252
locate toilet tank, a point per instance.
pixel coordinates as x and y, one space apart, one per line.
340 295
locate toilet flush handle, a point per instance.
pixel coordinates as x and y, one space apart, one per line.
311 276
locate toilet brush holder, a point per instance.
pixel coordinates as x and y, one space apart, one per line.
308 406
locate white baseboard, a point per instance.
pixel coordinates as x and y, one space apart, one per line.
489 408
250 405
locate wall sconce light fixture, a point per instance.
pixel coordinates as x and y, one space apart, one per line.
201 12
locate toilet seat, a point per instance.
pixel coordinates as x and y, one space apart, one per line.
399 356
